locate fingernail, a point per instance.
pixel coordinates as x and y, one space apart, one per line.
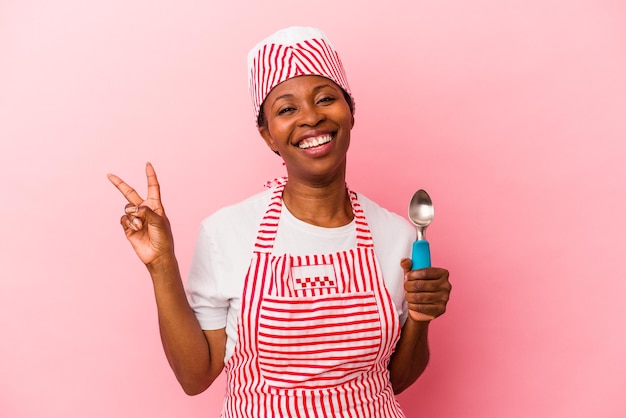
132 209
137 224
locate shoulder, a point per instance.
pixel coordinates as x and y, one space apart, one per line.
384 222
235 225
389 230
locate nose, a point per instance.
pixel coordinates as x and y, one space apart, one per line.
311 115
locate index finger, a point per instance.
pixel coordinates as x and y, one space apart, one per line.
429 273
129 193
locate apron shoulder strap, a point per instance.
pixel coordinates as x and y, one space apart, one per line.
269 225
363 233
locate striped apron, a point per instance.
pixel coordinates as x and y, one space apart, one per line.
315 332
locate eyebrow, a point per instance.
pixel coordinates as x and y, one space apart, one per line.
315 90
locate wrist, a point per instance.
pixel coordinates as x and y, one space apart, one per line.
163 265
419 325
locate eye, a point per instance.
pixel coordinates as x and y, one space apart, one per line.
285 110
326 100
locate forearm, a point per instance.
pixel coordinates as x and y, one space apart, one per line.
411 356
185 344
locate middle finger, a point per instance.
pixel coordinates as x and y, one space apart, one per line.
422 285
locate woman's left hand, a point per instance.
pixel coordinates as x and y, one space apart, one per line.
427 291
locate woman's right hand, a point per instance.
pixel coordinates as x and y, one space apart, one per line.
144 222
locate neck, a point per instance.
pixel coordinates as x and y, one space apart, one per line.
327 205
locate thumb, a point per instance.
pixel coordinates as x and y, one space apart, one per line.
138 216
406 264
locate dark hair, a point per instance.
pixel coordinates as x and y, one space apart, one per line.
262 120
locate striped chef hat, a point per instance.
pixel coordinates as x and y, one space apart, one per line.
289 53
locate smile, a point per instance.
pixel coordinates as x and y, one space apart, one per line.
314 142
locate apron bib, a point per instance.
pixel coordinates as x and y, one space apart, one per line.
315 332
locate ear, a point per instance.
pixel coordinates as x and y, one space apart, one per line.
267 137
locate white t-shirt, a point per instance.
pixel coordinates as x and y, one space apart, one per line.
226 241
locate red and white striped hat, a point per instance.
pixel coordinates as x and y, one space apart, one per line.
289 53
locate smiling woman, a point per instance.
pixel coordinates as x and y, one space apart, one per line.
308 124
301 292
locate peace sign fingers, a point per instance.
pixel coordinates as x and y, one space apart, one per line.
154 191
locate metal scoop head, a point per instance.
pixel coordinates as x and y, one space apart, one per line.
421 212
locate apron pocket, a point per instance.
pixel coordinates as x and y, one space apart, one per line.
307 342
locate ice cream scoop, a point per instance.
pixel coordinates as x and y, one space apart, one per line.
421 214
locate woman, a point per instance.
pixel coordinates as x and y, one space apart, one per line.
296 291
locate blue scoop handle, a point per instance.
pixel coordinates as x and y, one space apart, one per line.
420 254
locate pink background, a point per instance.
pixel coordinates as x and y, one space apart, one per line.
512 114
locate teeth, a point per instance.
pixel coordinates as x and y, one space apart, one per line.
314 142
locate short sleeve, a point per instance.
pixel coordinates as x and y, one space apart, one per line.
205 293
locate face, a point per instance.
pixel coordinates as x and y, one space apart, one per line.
308 124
